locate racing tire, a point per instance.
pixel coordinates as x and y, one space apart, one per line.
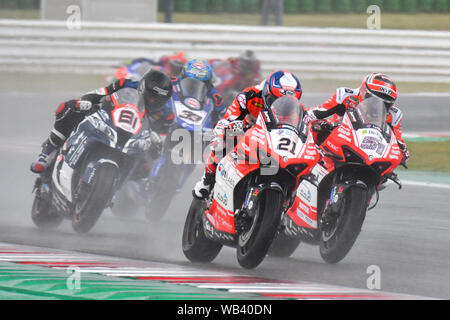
124 204
90 205
254 244
42 216
196 246
157 208
333 248
283 246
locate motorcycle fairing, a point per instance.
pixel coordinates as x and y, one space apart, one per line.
189 113
231 169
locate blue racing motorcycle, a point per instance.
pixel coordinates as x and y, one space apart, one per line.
100 154
183 148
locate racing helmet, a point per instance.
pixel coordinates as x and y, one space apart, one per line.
380 86
155 89
247 62
280 83
176 63
197 69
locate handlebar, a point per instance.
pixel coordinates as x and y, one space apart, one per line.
392 176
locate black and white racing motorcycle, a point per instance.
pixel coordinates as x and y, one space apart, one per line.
100 154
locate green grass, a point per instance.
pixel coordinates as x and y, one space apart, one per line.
19 14
429 156
422 21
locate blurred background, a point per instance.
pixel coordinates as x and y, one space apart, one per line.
327 43
397 14
55 50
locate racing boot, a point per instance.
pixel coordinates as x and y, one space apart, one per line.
203 188
45 158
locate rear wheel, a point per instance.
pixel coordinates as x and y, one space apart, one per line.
92 199
254 243
125 202
337 242
196 246
157 207
283 246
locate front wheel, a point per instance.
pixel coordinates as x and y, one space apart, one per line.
255 241
92 199
337 242
196 246
42 215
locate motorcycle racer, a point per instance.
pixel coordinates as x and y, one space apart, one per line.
245 71
374 85
134 69
155 90
201 74
241 114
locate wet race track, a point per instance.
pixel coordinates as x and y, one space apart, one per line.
407 235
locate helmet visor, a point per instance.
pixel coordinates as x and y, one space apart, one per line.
388 101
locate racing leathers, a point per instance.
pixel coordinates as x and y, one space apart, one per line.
345 98
239 117
67 117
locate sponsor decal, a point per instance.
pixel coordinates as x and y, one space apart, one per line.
225 176
332 146
193 103
306 194
257 104
369 143
344 131
160 91
340 135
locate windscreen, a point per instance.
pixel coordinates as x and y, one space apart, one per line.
372 112
129 96
193 88
287 110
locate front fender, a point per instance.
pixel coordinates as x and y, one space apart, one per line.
92 166
254 193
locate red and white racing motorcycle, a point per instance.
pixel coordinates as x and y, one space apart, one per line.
359 154
255 186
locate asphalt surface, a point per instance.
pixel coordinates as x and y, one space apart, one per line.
407 235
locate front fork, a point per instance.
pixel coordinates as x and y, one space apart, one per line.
243 217
41 186
334 204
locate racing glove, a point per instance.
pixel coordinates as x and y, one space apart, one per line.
322 125
224 128
405 152
156 145
83 105
309 116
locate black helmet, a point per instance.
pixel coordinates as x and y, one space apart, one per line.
247 62
155 89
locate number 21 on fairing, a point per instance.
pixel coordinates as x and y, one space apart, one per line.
284 144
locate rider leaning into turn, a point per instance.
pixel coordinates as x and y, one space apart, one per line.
374 85
241 113
155 90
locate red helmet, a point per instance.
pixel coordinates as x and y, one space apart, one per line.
281 83
380 86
